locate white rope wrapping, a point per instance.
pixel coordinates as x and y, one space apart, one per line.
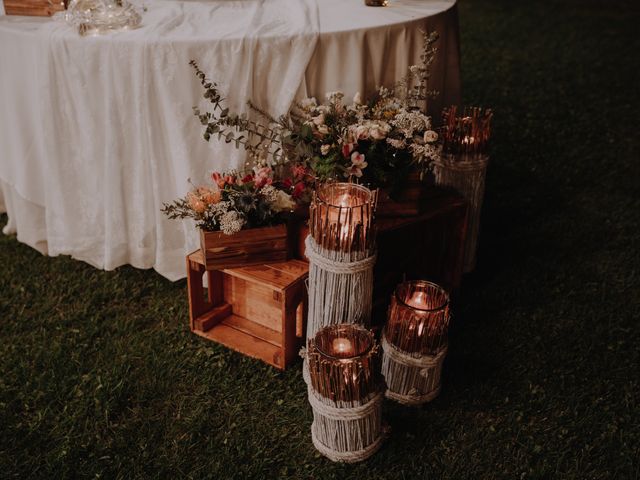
340 287
466 175
411 379
346 457
346 433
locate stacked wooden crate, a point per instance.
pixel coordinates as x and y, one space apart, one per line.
40 8
257 310
260 310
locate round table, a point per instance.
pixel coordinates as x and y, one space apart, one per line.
97 132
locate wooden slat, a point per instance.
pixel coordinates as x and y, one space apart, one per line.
263 275
212 317
253 329
38 8
245 343
247 247
255 301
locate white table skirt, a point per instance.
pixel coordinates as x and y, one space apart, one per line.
96 133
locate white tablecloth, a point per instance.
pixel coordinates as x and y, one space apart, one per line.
97 132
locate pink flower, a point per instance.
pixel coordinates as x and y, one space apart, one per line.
357 158
263 176
347 148
355 171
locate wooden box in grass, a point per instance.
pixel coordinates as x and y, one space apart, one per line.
257 310
40 8
247 247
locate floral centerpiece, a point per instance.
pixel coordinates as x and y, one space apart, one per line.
378 141
242 217
234 202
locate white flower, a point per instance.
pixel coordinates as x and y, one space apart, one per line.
361 132
415 69
335 97
424 153
319 120
323 129
357 98
379 130
231 222
283 202
324 149
411 122
430 136
270 193
308 103
395 143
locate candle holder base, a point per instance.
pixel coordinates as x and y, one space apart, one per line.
411 379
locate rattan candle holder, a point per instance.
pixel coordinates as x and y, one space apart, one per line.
341 252
345 390
463 166
414 342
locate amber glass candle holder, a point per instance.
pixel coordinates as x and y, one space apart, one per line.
376 3
341 217
344 363
418 318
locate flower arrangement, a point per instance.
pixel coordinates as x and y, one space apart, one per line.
378 141
371 142
235 202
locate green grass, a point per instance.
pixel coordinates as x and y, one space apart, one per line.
100 376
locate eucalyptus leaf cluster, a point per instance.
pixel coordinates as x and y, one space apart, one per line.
263 143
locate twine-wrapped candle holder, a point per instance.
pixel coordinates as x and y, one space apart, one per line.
414 342
342 365
341 252
463 166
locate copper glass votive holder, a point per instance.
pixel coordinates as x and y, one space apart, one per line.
418 318
341 217
344 363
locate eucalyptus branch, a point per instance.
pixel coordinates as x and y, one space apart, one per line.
260 141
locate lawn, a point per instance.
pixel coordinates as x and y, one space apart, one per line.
100 376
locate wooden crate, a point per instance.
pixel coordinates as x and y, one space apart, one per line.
259 310
247 247
40 8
